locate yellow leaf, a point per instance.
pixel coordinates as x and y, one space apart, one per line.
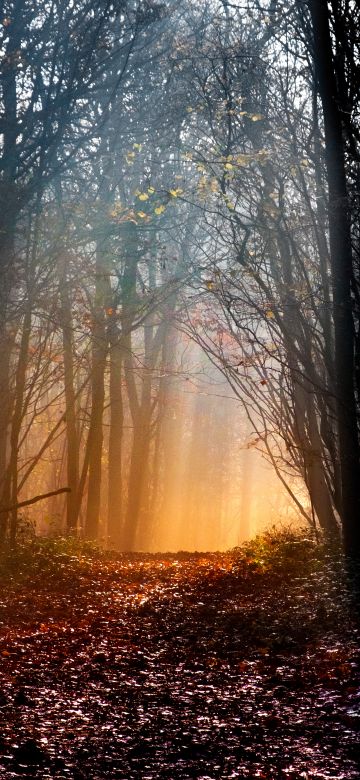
143 196
269 314
228 166
159 209
151 190
141 214
176 193
256 117
243 159
138 147
209 284
230 205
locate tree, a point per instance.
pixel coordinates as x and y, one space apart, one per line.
342 265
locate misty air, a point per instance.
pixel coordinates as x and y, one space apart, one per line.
179 389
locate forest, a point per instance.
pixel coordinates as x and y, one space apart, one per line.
179 388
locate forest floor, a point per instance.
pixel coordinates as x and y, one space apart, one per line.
236 665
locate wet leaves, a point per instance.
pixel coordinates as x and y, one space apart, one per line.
180 666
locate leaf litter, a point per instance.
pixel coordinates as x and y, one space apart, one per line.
223 665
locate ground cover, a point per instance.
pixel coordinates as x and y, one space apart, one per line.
236 665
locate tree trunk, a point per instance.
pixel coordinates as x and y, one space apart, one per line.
99 354
5 354
168 438
139 456
115 487
72 444
17 420
342 269
8 214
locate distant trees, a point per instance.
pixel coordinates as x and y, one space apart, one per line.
62 72
169 168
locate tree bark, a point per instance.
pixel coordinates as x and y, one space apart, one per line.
342 270
139 454
99 354
17 420
72 444
115 487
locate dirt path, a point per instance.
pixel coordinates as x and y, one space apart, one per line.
218 666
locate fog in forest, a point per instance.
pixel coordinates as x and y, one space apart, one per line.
178 329
179 389
209 485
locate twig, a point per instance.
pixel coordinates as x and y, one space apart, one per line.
36 498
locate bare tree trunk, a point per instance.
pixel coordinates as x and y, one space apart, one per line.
99 354
168 434
8 215
72 444
17 420
342 271
115 487
315 472
5 354
140 453
129 306
197 472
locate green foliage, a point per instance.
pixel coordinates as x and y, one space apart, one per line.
283 552
60 555
287 552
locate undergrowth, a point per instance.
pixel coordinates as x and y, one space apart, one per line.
283 552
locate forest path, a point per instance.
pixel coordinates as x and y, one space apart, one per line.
231 665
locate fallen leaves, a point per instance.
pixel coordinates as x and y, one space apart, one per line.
179 666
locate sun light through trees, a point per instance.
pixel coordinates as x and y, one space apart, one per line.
179 291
